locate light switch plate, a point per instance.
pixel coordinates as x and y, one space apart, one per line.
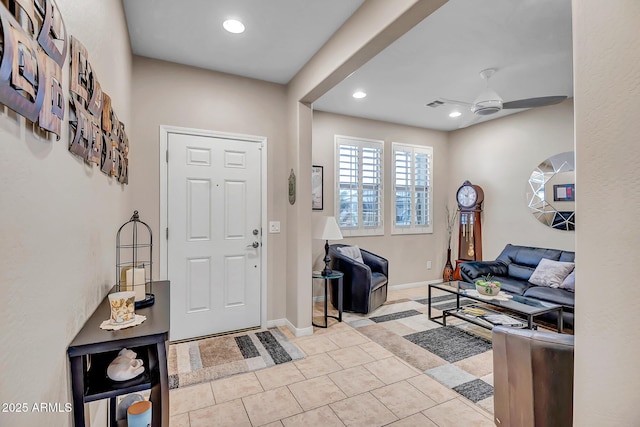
274 226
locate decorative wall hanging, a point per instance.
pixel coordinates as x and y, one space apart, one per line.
317 178
23 81
292 187
33 49
96 134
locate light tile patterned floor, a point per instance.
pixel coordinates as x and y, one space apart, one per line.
345 380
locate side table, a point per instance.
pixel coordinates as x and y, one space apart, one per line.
335 275
93 349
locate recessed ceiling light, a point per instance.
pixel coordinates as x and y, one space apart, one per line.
455 114
233 26
359 94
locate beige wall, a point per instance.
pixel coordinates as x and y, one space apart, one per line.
606 51
500 155
370 29
58 220
169 94
407 254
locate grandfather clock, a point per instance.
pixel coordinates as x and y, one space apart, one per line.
470 198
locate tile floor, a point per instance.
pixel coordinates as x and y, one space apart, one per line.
345 380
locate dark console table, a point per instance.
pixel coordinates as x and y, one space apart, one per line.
93 349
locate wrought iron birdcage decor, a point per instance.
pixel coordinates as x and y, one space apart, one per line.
134 255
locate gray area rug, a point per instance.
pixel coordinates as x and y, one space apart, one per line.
450 343
213 358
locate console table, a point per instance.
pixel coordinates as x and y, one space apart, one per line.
335 275
93 349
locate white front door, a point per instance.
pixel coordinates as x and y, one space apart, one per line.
214 234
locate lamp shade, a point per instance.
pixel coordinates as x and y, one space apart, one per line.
327 229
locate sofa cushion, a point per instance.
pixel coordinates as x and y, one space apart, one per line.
526 255
570 282
567 256
551 273
352 252
554 295
513 285
522 272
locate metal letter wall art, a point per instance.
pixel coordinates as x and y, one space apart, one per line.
33 48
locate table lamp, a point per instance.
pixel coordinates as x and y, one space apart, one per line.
327 229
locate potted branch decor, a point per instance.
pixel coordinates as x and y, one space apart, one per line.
447 273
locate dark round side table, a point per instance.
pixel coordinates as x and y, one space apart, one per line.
335 275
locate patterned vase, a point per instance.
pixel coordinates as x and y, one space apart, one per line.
447 273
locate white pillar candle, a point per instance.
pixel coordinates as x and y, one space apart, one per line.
136 282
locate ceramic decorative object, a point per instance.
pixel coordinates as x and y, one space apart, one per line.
122 307
447 273
292 187
125 366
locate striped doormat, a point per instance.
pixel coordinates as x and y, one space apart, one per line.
209 359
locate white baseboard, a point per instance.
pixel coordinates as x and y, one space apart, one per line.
298 332
413 285
276 323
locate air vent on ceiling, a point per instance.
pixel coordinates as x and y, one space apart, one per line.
435 104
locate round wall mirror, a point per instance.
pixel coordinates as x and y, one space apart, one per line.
552 192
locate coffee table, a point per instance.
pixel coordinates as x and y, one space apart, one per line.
518 305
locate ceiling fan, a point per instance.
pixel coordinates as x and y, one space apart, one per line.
489 102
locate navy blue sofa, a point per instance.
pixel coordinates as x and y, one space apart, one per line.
513 268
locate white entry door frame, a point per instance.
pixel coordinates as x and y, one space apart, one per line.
165 131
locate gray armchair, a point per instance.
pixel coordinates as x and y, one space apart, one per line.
532 378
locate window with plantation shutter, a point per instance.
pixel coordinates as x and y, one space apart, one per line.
412 189
359 201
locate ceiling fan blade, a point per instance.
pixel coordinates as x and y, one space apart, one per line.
533 102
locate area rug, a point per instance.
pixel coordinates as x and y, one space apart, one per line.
210 359
459 357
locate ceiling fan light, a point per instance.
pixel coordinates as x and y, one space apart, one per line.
487 103
486 108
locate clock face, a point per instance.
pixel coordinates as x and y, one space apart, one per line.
467 196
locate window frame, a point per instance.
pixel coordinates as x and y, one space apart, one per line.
360 143
412 228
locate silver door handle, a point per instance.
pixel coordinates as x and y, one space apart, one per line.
254 245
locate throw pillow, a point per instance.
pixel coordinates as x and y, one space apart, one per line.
570 282
352 252
551 273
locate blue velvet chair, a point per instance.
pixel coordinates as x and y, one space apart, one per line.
364 284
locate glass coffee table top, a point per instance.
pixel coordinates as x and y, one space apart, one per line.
517 303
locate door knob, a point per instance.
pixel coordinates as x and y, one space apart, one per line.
254 245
